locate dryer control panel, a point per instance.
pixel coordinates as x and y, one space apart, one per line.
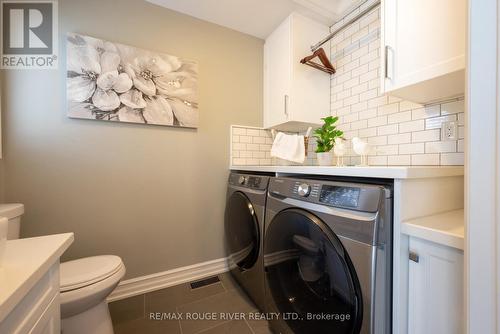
249 181
340 196
305 189
353 196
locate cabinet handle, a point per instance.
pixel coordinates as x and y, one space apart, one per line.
414 257
286 105
387 63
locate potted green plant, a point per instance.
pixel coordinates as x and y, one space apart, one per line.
325 139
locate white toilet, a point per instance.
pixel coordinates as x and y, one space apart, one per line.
85 284
13 213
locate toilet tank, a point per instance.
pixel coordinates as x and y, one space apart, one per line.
13 213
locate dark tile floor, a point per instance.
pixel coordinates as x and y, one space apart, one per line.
205 310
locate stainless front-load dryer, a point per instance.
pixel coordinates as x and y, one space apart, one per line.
244 226
328 256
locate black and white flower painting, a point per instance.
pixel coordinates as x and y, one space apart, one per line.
115 82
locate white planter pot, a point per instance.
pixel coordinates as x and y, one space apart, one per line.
325 158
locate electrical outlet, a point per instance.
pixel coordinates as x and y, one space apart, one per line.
449 130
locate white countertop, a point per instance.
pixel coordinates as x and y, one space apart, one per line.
444 228
24 264
393 172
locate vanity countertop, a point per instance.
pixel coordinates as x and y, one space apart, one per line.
445 228
24 264
392 172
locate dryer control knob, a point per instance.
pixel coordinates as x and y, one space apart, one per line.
241 179
304 190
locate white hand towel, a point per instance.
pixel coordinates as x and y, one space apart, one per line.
289 147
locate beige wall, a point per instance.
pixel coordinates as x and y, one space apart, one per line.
152 195
2 183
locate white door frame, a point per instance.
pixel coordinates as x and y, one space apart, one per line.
481 169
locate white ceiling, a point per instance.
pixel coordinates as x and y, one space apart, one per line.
258 17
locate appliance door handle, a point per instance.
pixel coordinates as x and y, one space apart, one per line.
248 190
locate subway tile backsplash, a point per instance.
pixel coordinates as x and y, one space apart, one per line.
251 146
401 133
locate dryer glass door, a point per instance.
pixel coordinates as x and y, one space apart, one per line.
310 279
242 231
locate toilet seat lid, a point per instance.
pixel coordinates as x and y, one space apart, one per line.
83 272
11 211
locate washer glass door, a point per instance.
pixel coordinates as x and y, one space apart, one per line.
310 279
242 231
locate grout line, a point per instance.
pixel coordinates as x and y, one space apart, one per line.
180 325
224 286
144 306
212 327
246 322
204 298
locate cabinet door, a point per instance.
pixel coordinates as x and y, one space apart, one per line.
424 48
277 72
44 295
50 321
435 289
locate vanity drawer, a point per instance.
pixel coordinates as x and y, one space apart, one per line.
24 318
50 321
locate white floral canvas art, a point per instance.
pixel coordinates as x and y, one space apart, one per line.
115 82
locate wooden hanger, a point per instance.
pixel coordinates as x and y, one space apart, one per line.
325 65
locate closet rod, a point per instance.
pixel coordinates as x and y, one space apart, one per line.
353 19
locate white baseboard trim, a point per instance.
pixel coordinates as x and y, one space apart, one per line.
139 285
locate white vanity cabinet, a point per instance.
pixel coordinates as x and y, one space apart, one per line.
435 288
296 96
39 310
30 283
423 49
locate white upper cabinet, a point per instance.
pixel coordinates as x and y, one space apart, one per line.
295 95
423 49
